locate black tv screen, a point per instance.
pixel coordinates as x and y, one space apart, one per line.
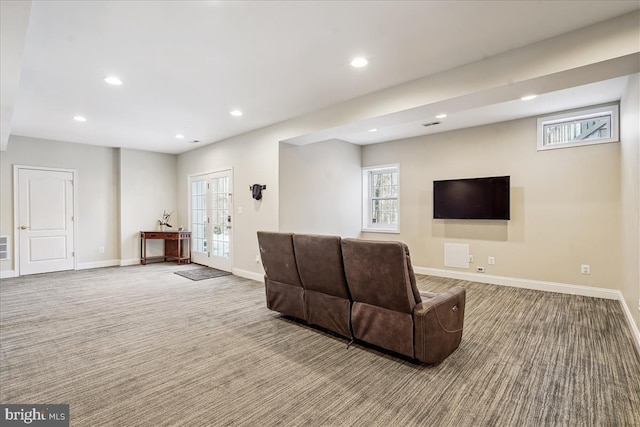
472 198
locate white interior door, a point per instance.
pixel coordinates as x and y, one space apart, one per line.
45 214
211 215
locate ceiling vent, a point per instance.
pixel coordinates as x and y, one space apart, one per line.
430 124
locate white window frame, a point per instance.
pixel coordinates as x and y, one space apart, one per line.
367 225
585 113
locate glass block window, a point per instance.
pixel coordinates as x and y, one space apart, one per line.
584 127
380 194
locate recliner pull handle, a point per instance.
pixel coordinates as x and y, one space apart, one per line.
454 308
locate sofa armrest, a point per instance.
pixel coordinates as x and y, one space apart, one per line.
438 323
427 294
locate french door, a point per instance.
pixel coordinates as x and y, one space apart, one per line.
210 218
45 213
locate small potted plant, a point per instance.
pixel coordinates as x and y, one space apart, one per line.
164 222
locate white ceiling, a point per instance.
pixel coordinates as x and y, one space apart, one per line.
186 65
463 113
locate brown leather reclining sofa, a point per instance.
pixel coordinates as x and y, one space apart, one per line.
360 289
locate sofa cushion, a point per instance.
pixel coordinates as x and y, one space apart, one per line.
327 300
278 259
319 260
330 312
389 329
378 274
285 299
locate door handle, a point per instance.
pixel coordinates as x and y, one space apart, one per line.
24 227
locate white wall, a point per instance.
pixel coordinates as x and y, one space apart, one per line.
565 203
603 50
630 192
255 155
254 159
120 193
148 186
14 21
96 190
320 189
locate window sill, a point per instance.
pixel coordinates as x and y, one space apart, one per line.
380 230
575 144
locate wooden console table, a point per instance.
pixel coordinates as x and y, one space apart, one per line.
173 245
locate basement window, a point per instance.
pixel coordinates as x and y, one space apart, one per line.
583 127
380 199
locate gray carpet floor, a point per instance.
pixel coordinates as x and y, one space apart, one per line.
141 346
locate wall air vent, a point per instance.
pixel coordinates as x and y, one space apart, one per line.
430 124
4 248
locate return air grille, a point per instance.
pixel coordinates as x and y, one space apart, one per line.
430 124
4 247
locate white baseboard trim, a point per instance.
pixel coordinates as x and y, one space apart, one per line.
98 264
259 277
632 324
563 288
7 274
132 261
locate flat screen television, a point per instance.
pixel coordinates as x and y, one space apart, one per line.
472 198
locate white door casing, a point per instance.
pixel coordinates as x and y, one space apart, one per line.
44 204
210 219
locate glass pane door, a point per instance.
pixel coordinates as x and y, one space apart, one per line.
199 247
211 215
220 217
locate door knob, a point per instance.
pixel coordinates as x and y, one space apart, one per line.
24 227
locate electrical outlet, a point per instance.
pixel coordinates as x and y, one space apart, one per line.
101 249
480 269
492 260
470 258
585 269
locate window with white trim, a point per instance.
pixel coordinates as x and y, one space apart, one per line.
381 199
583 127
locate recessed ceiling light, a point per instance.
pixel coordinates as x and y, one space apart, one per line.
528 97
80 119
373 130
236 113
113 80
180 136
359 62
441 116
